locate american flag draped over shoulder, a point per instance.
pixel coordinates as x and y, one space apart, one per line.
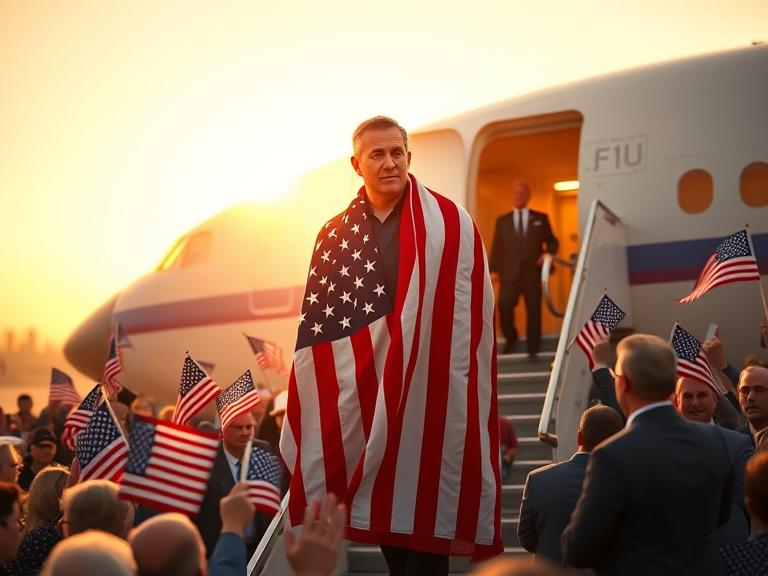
196 389
62 388
111 369
238 399
264 477
80 416
691 361
605 318
101 448
732 261
393 408
168 466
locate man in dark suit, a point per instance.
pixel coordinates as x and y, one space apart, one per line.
551 492
226 469
655 492
519 242
753 398
696 401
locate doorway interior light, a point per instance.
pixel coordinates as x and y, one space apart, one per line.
567 185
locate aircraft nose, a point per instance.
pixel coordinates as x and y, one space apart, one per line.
86 347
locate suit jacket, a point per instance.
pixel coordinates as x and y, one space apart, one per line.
653 495
740 449
508 252
228 557
549 497
208 521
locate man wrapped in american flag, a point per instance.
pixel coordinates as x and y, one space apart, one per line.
392 395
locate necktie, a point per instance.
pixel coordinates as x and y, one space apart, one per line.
237 471
520 231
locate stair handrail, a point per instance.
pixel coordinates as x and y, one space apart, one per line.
268 542
546 271
569 329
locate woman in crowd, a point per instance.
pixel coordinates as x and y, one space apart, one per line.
10 463
42 513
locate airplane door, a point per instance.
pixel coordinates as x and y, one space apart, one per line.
543 151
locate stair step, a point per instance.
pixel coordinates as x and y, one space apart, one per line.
519 382
521 403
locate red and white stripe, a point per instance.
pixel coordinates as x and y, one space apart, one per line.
242 405
111 369
699 370
108 464
400 419
176 477
76 421
714 274
195 400
264 496
592 333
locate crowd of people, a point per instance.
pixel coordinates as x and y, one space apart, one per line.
670 476
52 524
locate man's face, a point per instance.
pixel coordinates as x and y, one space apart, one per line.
238 433
10 534
383 162
753 397
695 400
43 453
520 195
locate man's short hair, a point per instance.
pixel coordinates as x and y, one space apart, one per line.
94 505
377 123
650 365
598 423
9 495
756 482
23 397
92 553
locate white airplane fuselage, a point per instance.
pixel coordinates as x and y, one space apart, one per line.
674 150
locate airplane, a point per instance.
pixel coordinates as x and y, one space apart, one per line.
678 151
642 172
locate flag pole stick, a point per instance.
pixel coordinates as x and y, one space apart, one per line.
245 461
760 286
114 417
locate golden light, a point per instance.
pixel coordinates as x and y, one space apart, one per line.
567 185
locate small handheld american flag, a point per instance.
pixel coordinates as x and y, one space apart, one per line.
238 399
605 318
259 348
264 479
111 369
80 416
691 361
196 389
62 388
732 261
101 448
168 466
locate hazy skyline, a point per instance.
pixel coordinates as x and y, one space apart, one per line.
125 124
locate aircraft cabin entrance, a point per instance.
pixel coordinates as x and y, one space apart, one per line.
543 151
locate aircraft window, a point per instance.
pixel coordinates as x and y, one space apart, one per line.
754 184
173 255
197 250
695 191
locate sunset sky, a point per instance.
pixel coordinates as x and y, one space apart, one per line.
123 124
